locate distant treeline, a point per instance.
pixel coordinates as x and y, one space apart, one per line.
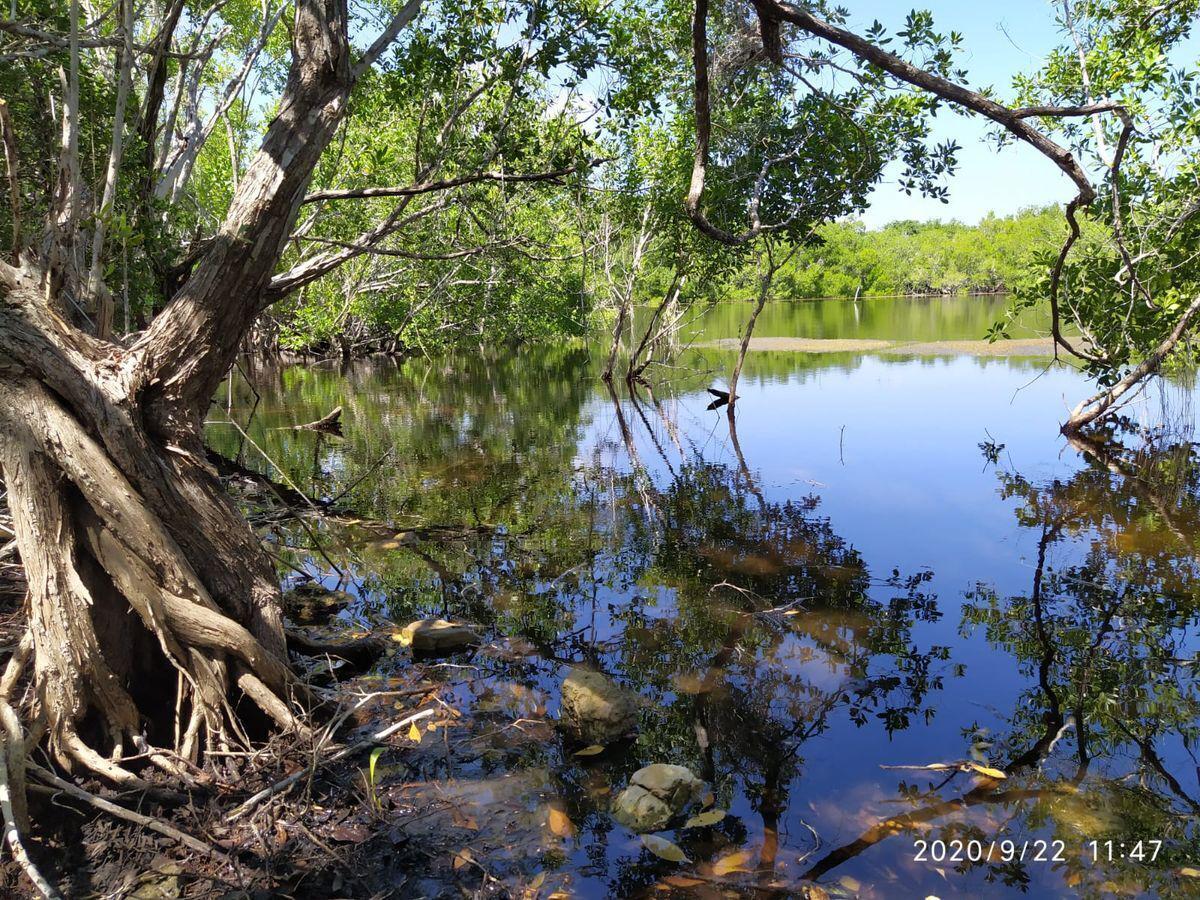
909 258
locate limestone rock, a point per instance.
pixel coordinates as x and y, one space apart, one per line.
598 709
438 636
655 795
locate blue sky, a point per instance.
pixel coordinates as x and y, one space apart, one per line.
1000 40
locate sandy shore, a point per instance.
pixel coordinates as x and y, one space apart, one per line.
1018 347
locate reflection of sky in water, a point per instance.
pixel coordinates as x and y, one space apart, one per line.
888 445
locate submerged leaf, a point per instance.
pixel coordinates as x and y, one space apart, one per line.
593 750
704 819
663 848
462 857
733 862
560 823
682 881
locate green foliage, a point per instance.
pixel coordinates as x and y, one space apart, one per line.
906 258
1129 279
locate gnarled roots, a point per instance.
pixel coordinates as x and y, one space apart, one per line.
131 656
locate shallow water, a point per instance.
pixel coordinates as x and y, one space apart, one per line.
883 563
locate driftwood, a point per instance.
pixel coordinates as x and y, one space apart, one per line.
330 423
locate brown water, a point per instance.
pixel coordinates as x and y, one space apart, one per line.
885 563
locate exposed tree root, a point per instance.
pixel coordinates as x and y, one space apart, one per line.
12 834
117 612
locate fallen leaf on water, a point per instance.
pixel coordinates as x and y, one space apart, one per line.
711 817
708 799
663 848
733 862
987 770
559 895
593 750
851 884
462 857
560 823
414 733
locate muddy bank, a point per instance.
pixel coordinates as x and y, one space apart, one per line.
1014 348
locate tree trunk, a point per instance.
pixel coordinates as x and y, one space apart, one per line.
154 613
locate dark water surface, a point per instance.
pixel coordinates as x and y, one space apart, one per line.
816 599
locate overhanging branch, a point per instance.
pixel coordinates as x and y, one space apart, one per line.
429 187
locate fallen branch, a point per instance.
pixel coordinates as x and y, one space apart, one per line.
129 815
330 423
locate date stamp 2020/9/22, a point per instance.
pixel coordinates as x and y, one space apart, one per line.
1031 850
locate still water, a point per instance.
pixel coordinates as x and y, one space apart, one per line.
884 575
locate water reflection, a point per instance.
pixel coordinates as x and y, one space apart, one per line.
786 652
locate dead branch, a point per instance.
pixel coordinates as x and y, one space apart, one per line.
129 815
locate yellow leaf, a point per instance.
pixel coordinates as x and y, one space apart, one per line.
559 895
560 823
402 637
593 750
663 848
1188 872
988 771
853 885
733 862
414 733
711 817
432 726
462 857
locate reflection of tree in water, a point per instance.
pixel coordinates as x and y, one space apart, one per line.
764 632
1102 744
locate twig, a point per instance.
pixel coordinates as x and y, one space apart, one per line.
281 786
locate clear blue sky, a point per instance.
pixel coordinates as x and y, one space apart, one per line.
1000 39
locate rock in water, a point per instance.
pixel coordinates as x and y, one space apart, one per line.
312 602
439 636
655 795
598 709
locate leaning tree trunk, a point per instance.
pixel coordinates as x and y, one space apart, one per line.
154 614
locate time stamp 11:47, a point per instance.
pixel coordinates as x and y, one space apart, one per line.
1036 850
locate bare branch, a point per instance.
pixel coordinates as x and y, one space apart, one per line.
406 14
429 187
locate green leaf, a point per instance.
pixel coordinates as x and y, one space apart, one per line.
375 754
